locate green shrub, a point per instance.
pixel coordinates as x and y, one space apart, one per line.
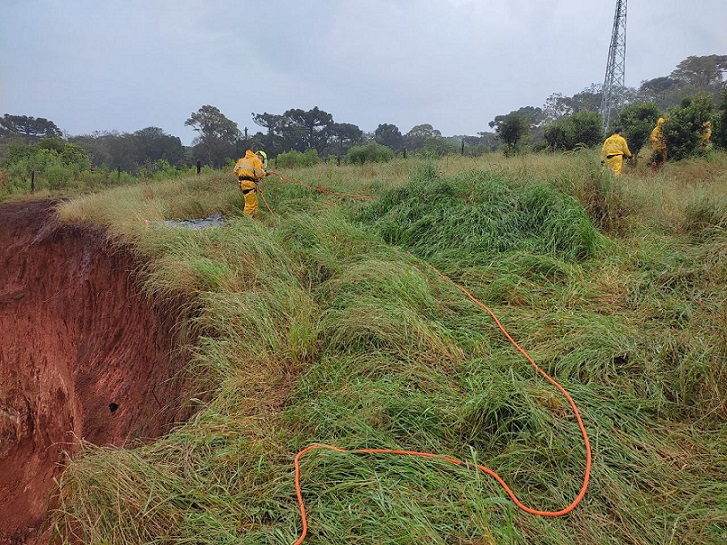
371 153
571 131
720 133
437 147
295 159
57 165
683 126
638 120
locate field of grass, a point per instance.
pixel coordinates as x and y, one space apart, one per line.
324 322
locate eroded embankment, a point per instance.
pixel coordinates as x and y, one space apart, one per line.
83 354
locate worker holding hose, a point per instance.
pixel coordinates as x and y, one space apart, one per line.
250 170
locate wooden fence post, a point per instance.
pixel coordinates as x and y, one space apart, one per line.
32 181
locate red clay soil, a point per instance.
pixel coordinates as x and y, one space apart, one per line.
83 354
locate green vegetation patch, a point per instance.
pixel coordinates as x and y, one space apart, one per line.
475 217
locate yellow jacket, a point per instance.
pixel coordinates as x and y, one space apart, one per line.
657 138
615 145
249 167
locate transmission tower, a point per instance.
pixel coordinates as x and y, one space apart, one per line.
615 80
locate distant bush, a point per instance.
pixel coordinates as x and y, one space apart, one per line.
161 169
683 127
638 120
572 131
437 147
52 164
295 159
371 153
721 123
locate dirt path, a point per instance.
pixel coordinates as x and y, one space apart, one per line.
83 354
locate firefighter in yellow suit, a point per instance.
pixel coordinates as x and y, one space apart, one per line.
613 151
705 135
249 171
658 144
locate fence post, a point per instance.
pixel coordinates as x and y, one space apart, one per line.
199 166
118 175
32 181
463 146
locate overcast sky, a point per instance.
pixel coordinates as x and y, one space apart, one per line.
102 65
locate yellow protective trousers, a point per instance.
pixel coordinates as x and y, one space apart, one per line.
614 163
249 190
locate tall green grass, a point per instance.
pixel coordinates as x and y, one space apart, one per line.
326 323
472 218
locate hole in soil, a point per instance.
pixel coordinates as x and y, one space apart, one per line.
75 331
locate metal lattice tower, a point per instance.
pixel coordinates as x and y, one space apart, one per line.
615 80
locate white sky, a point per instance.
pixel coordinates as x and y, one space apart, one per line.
101 65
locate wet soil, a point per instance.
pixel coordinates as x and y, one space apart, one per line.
84 354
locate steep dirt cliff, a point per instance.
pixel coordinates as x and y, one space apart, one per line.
83 354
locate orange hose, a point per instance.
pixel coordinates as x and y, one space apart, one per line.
491 473
260 190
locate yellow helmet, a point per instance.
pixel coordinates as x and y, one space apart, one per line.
263 155
660 121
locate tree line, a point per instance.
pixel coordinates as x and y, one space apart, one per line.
693 93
